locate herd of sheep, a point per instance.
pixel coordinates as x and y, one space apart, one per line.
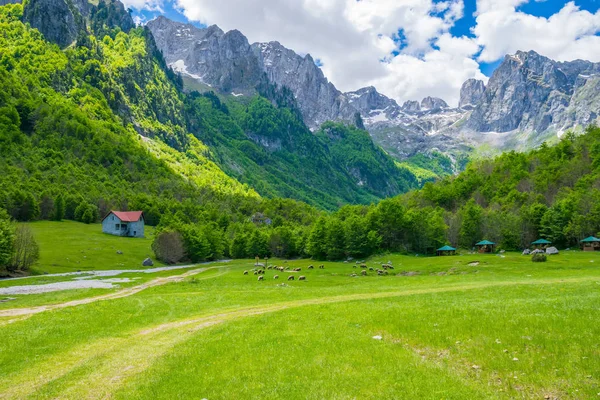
260 270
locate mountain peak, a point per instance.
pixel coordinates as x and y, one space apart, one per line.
471 92
433 103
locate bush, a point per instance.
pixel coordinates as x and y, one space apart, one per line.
168 247
26 250
539 257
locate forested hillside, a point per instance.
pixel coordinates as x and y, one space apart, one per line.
514 199
104 124
114 74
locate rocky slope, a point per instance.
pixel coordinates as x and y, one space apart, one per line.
529 98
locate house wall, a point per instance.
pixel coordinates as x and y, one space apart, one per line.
108 225
137 227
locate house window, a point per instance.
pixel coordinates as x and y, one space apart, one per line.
134 233
117 226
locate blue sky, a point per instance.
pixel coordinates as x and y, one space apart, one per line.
408 49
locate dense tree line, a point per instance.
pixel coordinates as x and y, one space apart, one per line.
514 199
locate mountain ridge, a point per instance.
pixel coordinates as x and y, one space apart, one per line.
485 115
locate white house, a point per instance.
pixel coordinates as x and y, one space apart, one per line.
124 223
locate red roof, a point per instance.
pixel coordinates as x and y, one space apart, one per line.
127 216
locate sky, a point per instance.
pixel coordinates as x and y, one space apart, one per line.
407 49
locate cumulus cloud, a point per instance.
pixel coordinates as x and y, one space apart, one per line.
569 34
403 47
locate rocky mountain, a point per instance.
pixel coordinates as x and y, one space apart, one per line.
471 92
532 93
529 98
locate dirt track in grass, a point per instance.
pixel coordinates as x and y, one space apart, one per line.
16 312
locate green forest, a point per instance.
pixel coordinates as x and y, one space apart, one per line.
104 124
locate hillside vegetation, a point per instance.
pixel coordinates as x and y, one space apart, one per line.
514 199
99 99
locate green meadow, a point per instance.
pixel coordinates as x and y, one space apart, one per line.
469 326
70 246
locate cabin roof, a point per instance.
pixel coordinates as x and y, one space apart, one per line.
485 243
590 239
541 241
127 216
446 248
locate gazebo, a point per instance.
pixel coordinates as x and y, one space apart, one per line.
541 244
446 251
485 246
590 244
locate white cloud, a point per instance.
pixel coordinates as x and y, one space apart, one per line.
403 47
566 35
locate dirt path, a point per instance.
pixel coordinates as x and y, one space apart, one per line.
14 312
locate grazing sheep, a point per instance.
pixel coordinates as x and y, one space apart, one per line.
260 278
354 266
291 278
321 266
245 272
371 269
255 272
311 267
302 278
353 275
276 277
297 269
363 272
363 265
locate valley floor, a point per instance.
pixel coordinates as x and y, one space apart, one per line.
436 327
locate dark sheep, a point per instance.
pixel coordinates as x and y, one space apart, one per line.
291 278
371 269
302 278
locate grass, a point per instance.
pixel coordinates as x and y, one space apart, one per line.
505 328
69 246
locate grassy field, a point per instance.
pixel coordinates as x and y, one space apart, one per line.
69 246
437 328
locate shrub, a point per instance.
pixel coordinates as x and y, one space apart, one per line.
168 247
26 250
539 257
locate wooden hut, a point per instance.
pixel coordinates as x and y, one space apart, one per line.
590 244
541 244
485 246
446 251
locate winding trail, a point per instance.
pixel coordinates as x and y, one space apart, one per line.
15 312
